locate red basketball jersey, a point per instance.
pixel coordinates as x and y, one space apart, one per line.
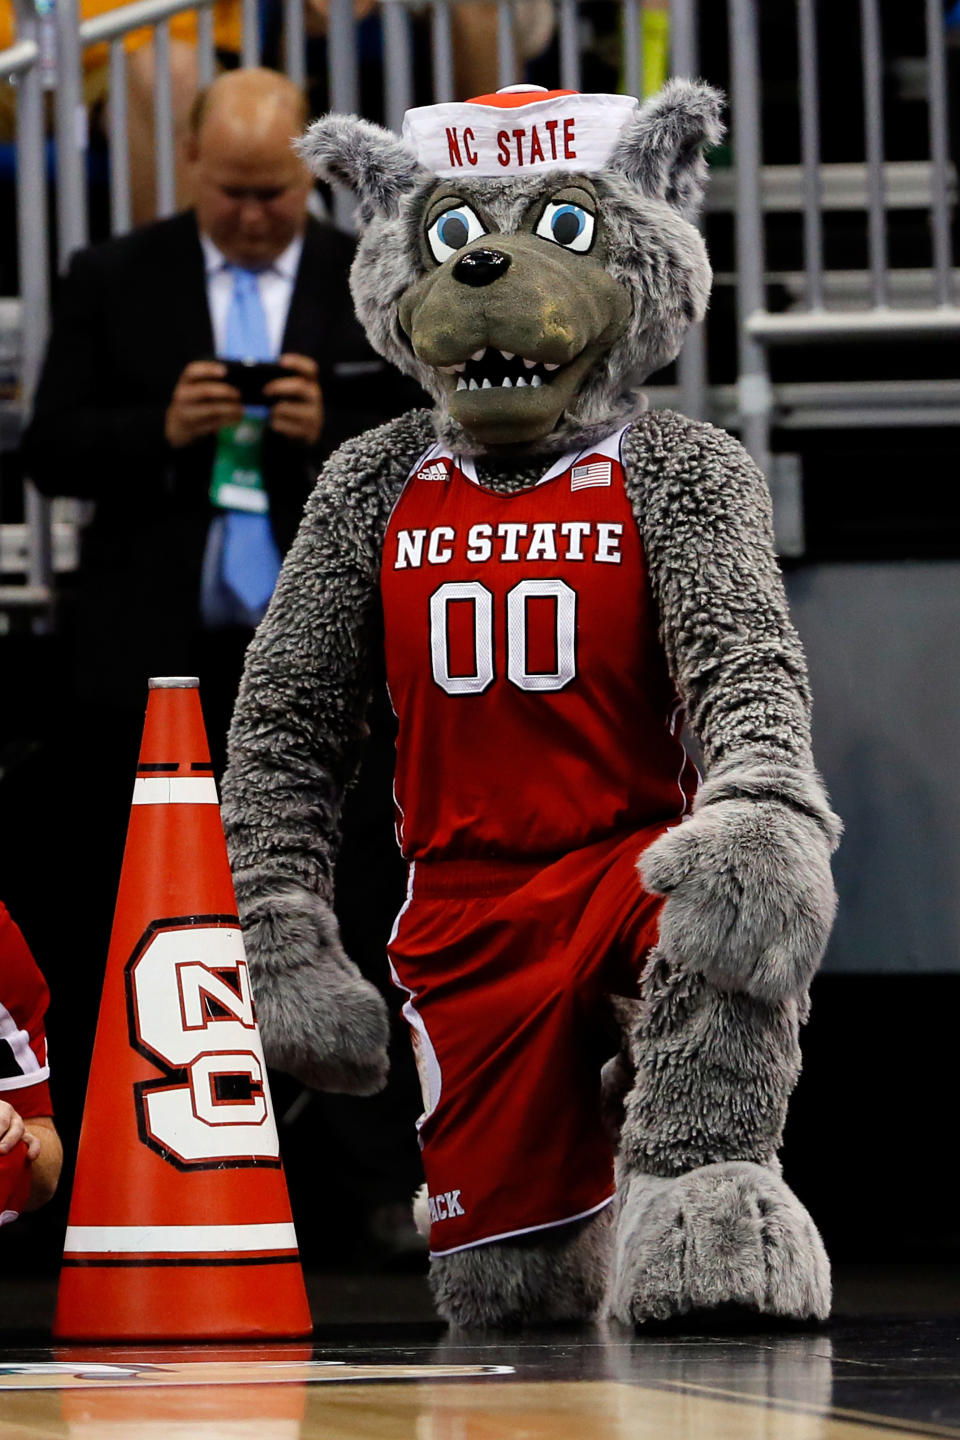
535 710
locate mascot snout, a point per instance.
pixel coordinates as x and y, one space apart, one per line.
513 327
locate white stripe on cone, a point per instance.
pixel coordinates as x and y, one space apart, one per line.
176 1239
188 790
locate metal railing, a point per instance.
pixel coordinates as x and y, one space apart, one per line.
874 312
824 305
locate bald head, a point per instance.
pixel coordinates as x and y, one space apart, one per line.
250 186
254 100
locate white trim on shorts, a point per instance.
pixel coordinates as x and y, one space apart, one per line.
528 1230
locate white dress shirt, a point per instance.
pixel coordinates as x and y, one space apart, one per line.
276 284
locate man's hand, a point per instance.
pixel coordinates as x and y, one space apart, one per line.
297 411
11 1128
202 404
45 1154
44 1151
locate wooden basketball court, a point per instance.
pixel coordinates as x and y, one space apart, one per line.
379 1368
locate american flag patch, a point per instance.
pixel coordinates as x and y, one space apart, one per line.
436 470
583 477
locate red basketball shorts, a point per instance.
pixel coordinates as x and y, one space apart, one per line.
506 966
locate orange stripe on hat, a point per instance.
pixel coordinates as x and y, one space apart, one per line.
520 129
514 95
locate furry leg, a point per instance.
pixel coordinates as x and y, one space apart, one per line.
704 1217
548 1277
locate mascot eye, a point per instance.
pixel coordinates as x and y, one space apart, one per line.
568 225
452 230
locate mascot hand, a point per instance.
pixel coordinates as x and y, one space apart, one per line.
751 898
319 1019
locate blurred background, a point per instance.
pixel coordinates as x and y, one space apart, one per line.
830 348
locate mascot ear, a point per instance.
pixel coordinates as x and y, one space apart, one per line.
661 149
367 159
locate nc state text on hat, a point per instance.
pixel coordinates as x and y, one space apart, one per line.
529 143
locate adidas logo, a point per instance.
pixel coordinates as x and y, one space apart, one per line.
438 470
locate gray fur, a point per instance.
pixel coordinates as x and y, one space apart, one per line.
660 149
546 1278
365 158
294 745
652 249
701 1094
751 896
299 721
726 1234
714 1073
320 1020
705 1219
705 517
739 778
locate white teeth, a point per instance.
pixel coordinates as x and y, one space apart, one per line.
459 368
508 354
461 383
520 381
479 354
487 385
529 363
445 369
506 384
548 366
535 382
473 385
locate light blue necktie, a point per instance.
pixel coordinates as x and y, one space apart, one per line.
249 561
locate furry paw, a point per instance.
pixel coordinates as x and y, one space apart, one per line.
319 1019
751 897
728 1234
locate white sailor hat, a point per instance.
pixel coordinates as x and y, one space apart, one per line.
517 130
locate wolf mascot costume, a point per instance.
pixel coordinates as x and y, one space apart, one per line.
551 577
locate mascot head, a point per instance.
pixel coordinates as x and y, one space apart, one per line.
529 257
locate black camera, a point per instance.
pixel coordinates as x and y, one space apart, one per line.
250 376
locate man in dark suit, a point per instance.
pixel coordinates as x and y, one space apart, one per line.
132 407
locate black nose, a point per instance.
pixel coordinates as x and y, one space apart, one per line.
481 267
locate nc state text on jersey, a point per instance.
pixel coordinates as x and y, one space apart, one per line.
572 540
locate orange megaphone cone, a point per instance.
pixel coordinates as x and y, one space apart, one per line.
180 1223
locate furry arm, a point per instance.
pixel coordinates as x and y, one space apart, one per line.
748 875
294 746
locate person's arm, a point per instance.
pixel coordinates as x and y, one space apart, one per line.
44 1152
294 745
45 1156
748 875
25 1105
705 517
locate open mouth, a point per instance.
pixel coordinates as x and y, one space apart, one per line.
491 369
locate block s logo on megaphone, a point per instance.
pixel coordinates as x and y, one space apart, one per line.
191 1014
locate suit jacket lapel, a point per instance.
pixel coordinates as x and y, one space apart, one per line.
304 317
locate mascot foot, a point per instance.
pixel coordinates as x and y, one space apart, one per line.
551 1277
723 1235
